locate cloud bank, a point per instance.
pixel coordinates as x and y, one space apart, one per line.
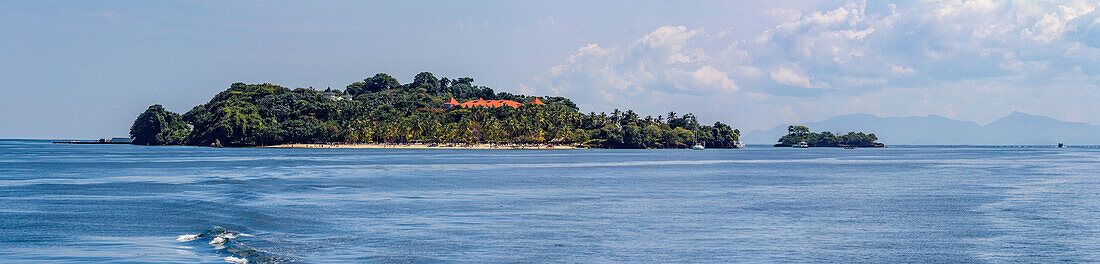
970 60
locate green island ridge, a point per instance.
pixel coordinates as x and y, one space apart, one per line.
380 110
798 134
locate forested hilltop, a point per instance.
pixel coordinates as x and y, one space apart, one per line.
796 134
381 110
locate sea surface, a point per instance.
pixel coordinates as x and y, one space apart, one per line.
63 203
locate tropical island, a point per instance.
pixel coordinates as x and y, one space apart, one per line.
801 136
379 110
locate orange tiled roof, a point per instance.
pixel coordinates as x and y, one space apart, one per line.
537 102
490 103
451 102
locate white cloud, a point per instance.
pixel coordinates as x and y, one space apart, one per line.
548 21
1055 24
654 67
706 77
669 38
902 70
787 76
974 60
857 81
783 14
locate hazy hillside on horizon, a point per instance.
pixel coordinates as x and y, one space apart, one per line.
1014 129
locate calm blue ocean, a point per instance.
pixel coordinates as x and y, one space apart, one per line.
135 204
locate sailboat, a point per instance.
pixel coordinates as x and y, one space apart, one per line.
698 145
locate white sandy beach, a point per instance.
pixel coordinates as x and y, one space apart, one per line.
422 146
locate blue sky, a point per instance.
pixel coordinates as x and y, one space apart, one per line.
85 70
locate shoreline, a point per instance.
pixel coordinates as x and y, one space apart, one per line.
876 145
418 146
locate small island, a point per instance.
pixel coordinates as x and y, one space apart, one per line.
800 136
429 112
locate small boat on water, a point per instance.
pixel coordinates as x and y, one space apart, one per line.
1060 145
698 145
738 144
849 147
802 144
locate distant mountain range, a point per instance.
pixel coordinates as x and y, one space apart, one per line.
1015 129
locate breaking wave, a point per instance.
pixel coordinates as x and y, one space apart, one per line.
235 246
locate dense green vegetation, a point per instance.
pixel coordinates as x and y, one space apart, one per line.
384 111
797 134
157 126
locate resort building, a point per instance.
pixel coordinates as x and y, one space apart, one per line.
332 96
450 104
537 102
490 103
487 103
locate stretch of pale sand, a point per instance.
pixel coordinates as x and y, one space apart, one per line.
421 146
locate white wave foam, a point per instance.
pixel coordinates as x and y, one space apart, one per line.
185 238
229 235
236 260
218 240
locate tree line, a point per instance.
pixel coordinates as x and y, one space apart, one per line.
796 134
382 110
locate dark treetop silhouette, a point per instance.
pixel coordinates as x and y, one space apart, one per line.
796 134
